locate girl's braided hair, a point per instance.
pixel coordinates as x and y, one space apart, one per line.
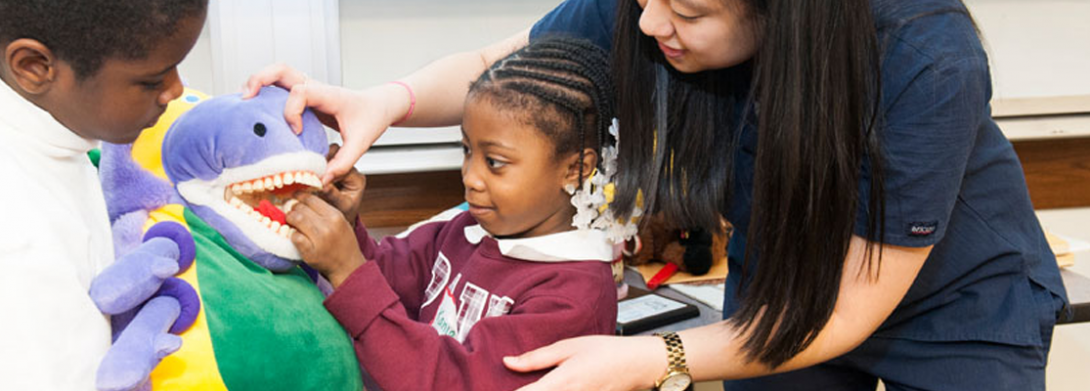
560 86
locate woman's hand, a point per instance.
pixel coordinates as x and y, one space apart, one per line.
595 363
360 116
346 191
324 238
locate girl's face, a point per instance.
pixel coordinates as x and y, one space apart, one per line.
514 183
700 35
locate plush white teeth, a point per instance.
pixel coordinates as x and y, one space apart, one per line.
311 180
277 181
271 183
280 229
289 205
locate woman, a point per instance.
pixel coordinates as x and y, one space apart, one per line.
882 224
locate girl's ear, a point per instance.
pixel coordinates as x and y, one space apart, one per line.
31 65
574 164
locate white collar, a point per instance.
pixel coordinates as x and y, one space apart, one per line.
568 246
30 121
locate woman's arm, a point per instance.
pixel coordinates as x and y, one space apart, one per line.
866 298
441 86
439 91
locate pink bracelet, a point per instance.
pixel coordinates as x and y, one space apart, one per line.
412 102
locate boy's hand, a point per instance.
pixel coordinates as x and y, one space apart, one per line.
346 191
324 238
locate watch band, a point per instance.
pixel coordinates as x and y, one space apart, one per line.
675 355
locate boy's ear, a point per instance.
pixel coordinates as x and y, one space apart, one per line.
587 164
31 65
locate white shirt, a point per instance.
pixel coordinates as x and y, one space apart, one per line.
54 239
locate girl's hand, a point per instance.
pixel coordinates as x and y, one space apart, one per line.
595 363
346 191
324 238
360 116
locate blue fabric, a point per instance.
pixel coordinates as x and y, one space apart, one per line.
952 180
907 364
587 19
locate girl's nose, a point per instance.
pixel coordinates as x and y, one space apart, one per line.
470 179
655 20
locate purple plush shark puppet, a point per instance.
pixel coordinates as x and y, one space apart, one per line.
234 165
237 171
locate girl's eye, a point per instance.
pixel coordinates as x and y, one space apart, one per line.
465 150
493 163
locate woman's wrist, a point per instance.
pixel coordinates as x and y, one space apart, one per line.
412 101
399 99
653 363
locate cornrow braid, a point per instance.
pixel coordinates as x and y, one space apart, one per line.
568 84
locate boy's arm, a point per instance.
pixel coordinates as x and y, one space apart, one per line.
403 354
53 336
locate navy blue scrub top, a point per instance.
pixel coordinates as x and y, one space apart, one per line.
952 180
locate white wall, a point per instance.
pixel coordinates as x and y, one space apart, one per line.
382 40
1039 49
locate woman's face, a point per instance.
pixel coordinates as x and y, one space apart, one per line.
700 35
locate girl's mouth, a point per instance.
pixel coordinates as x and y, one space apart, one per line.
477 211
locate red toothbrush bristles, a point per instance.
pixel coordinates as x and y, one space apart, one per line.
267 209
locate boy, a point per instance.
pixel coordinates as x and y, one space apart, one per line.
74 73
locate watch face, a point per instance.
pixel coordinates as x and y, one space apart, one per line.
678 382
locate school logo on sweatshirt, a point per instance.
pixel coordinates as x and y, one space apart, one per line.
456 317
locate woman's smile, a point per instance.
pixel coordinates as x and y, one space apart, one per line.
670 52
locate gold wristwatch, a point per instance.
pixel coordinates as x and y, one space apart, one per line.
677 376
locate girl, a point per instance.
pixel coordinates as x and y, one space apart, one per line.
440 307
883 228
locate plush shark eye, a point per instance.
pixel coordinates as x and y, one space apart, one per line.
259 129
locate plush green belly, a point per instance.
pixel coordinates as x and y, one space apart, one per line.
269 331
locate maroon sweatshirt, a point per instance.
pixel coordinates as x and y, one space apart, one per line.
441 307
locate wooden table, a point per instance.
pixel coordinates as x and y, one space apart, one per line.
1073 223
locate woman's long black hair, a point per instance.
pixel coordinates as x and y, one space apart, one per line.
812 89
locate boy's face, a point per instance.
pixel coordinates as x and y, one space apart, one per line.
124 96
513 182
